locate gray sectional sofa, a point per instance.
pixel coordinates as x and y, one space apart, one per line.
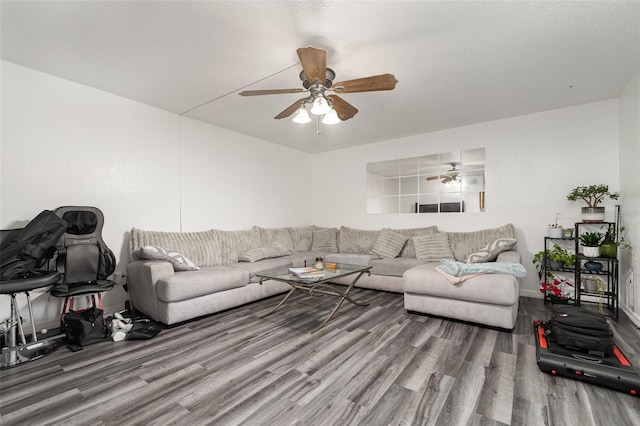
210 271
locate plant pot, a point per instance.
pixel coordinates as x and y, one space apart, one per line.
567 233
591 251
555 232
557 300
555 264
609 250
593 214
593 266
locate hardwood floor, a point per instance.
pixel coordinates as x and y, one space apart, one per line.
374 365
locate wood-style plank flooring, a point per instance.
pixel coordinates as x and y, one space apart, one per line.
374 365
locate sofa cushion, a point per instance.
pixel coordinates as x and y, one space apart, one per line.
302 237
234 243
433 248
264 252
189 284
356 241
177 260
201 247
276 235
325 239
465 243
394 267
389 243
490 252
351 259
494 289
263 265
409 250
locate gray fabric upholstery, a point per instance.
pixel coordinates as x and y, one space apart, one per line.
263 265
191 284
351 259
356 241
276 235
509 256
433 248
409 250
233 243
374 282
201 247
389 243
394 267
325 239
302 238
495 289
264 252
465 243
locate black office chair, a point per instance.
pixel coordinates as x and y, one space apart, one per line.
84 260
26 255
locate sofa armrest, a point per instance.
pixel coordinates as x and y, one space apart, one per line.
509 256
142 278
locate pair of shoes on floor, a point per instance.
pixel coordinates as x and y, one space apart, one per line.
120 327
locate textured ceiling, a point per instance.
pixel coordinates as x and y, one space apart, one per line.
457 63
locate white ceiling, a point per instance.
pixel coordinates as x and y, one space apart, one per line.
457 63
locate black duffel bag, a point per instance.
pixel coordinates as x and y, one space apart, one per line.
84 327
579 328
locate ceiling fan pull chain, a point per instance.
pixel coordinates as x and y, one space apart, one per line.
318 125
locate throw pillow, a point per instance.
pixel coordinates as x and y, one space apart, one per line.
490 252
179 262
325 240
433 248
389 243
264 252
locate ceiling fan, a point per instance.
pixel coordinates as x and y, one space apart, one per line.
317 80
451 175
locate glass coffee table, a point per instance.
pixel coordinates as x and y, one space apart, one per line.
321 285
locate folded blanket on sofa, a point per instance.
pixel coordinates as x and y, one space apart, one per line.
455 268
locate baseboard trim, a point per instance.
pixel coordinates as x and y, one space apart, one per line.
635 318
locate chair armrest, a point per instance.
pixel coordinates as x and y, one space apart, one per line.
511 256
142 278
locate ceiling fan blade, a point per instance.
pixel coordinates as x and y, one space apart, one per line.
290 110
269 92
434 177
447 179
343 108
314 64
366 84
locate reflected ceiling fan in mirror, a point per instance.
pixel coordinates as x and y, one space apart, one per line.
451 175
317 80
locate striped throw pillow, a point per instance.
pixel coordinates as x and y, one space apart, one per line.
433 248
389 244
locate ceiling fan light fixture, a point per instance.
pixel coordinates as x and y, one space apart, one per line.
320 106
331 117
302 116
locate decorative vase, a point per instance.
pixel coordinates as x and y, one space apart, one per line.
593 214
591 251
567 233
555 232
609 250
319 264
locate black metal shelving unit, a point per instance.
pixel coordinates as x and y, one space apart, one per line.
548 267
598 288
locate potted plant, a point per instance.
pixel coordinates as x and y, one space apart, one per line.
610 244
558 291
555 230
592 195
590 242
557 258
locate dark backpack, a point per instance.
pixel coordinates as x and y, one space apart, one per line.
575 327
24 251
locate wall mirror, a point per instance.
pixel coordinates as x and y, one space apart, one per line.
450 182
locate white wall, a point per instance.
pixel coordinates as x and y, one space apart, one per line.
532 162
630 196
68 144
231 181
